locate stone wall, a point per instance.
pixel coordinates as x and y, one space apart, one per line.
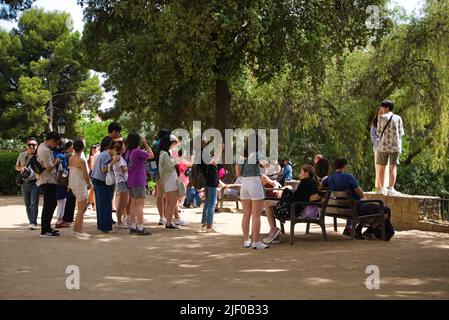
413 212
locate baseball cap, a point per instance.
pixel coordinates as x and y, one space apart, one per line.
173 138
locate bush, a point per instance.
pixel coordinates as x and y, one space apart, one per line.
8 173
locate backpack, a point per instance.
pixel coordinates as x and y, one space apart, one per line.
198 176
37 167
282 210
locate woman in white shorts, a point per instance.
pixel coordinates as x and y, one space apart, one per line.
79 183
252 195
169 178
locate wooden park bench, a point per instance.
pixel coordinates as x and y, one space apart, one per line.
226 197
339 204
294 219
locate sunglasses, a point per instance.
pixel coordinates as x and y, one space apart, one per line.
32 145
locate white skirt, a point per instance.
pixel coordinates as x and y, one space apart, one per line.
171 183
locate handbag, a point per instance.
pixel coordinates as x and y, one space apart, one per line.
311 212
62 177
181 188
110 178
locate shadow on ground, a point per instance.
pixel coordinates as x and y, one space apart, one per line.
191 265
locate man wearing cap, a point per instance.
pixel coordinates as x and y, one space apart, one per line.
30 191
390 129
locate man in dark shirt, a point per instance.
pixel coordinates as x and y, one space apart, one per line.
341 180
114 130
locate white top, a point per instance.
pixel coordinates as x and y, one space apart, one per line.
117 168
76 179
45 157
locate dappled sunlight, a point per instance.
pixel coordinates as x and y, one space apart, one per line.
182 263
126 279
318 281
222 256
265 270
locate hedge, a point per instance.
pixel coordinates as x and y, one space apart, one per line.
8 173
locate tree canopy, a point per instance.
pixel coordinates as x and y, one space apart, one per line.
173 60
43 75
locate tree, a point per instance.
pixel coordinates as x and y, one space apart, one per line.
9 9
43 75
165 57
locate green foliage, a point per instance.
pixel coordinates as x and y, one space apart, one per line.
9 9
43 75
171 61
8 177
93 132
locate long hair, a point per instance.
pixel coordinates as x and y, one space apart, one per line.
376 115
322 168
258 142
165 144
312 175
133 141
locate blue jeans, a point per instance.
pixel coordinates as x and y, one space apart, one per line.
30 193
103 202
192 197
209 206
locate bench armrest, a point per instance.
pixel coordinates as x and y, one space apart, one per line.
379 202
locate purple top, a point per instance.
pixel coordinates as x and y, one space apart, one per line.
374 137
136 159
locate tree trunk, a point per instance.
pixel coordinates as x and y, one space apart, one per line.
222 105
222 115
50 114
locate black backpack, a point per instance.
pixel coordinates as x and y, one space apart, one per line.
37 167
282 210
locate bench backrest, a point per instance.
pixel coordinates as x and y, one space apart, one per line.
341 203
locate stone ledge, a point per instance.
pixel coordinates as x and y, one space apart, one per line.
410 212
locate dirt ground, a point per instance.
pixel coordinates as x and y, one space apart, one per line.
188 264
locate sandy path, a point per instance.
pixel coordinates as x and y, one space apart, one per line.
191 265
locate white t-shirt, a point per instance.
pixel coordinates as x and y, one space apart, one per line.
117 168
45 157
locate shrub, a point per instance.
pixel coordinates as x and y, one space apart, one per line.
8 173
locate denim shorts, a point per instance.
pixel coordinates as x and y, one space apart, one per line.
121 187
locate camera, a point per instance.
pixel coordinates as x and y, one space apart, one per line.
26 173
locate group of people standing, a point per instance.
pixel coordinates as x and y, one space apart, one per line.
121 166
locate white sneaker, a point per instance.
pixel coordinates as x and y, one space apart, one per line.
247 244
276 240
260 245
180 222
162 221
122 226
203 228
32 227
82 235
211 230
383 191
393 192
273 235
